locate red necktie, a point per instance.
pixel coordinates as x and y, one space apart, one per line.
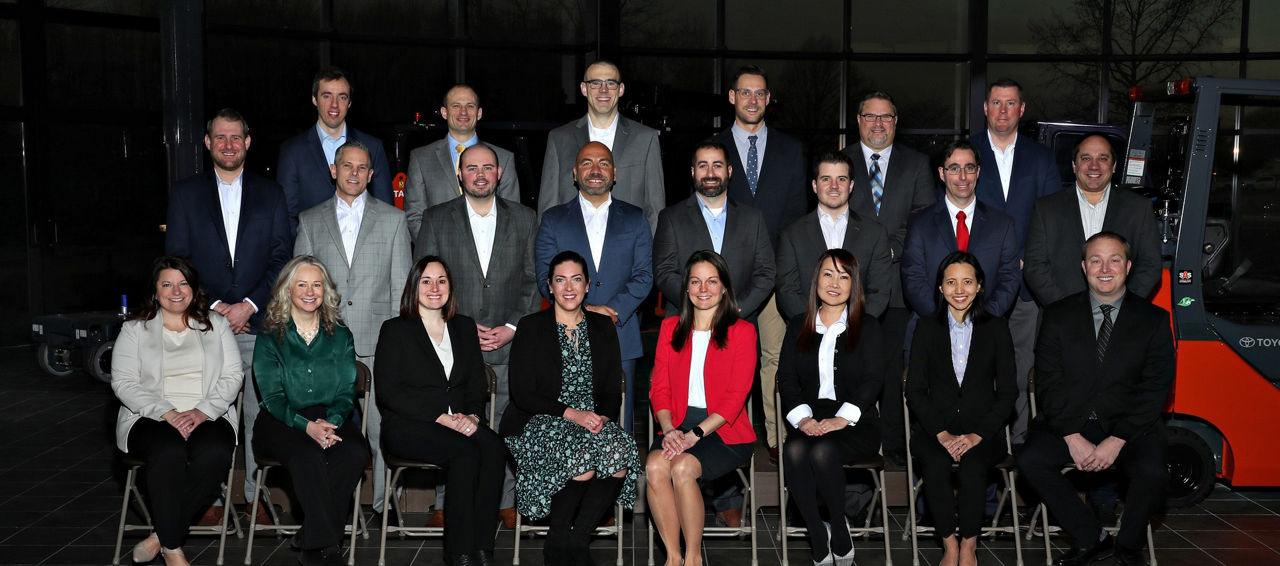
962 232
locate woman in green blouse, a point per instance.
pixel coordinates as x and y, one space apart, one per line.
305 364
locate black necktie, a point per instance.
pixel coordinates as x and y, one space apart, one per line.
1104 332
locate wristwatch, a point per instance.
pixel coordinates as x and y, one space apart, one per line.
697 431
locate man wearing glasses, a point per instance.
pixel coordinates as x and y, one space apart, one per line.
961 222
891 182
634 146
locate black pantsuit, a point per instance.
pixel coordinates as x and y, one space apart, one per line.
323 479
181 473
970 487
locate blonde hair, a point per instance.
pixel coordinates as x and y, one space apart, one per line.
279 309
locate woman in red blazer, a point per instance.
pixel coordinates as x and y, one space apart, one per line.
702 373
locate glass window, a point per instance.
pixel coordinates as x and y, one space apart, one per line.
669 23
1048 26
1129 74
936 27
14 324
538 88
421 18
1152 28
536 21
675 92
769 25
1264 26
928 95
1053 91
297 14
391 82
10 64
103 68
271 97
129 7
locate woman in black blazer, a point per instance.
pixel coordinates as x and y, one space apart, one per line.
829 375
960 389
432 390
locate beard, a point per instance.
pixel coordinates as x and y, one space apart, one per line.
711 191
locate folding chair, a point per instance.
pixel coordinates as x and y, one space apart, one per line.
874 465
396 466
614 530
747 476
1009 494
230 521
364 378
1043 513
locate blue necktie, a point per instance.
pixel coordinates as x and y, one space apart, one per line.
1104 331
753 164
877 181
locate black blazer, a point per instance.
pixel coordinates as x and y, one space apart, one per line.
537 370
859 373
909 186
781 192
746 249
1127 390
1052 260
412 387
983 403
802 244
993 240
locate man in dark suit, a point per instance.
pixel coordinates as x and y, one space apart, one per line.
634 146
1104 365
833 225
1026 172
364 244
770 166
487 242
1065 219
898 183
960 221
614 238
433 168
303 171
234 227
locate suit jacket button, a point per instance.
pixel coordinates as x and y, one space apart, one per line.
349 303
598 283
486 285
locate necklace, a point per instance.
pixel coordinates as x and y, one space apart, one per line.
309 334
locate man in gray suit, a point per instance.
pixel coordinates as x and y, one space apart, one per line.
488 244
898 184
634 147
365 246
433 168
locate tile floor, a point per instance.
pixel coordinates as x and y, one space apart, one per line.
60 489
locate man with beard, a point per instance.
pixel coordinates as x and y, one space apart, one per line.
710 220
614 237
234 227
487 242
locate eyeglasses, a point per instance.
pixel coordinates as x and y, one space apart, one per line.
748 93
595 84
877 117
955 168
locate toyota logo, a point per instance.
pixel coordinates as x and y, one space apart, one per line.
1246 342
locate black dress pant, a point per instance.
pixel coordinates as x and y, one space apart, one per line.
182 474
1142 460
965 507
324 480
475 466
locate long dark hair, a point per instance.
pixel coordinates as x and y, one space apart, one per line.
856 304
726 312
409 297
197 310
976 312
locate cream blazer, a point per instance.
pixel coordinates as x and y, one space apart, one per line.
137 373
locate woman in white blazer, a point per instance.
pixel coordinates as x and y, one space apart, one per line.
176 370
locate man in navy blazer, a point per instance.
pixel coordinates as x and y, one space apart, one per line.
303 171
960 221
1026 171
614 237
234 227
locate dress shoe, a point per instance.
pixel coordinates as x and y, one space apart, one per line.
508 516
174 557
212 516
435 520
144 552
484 558
328 556
1128 557
1077 556
462 560
731 518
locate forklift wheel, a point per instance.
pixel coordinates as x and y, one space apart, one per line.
54 361
1191 468
97 361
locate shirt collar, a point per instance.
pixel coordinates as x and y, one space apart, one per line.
843 322
324 136
1106 194
995 148
844 215
493 210
453 142
234 184
356 204
1095 302
612 127
867 152
589 208
952 209
742 135
951 321
702 205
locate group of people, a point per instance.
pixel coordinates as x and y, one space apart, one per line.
278 289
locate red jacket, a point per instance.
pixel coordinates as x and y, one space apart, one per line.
727 374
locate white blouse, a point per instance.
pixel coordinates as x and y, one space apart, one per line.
697 383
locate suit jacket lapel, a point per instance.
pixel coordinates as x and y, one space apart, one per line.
582 135
942 226
214 208
335 231
317 150
445 155
861 199
368 223
621 138
461 218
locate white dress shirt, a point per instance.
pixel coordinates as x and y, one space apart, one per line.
229 197
444 351
827 373
349 218
833 227
700 340
1092 215
483 229
1004 160
603 135
596 220
952 209
884 157
330 145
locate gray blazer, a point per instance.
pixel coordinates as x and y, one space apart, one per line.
137 374
508 292
370 284
433 180
635 156
746 249
800 246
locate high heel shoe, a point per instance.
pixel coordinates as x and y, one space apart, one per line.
143 555
175 553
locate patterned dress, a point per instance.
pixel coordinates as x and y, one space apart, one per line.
552 449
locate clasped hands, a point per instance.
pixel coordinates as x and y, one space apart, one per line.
185 421
958 444
1089 457
814 427
493 338
323 432
676 441
237 315
586 419
465 425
